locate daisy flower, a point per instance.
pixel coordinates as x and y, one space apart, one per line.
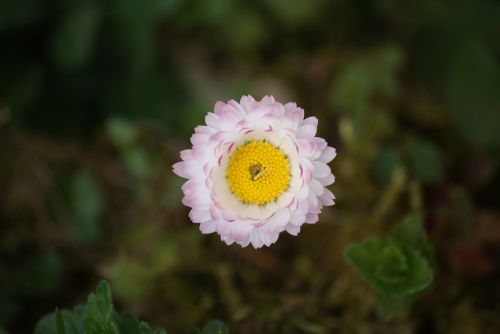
256 169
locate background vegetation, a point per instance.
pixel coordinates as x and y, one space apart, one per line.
98 97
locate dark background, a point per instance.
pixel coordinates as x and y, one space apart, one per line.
98 97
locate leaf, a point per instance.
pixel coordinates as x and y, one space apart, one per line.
128 324
410 234
86 203
136 160
389 269
427 162
365 78
387 161
60 323
98 316
387 307
215 327
121 132
397 267
71 320
2 331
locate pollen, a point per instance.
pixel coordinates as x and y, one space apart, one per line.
258 173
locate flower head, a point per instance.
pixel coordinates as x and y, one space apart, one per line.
256 169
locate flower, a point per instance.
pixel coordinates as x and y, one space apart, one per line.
256 169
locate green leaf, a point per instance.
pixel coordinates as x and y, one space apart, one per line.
387 307
215 327
60 322
427 162
121 132
98 316
72 322
363 79
397 267
86 203
136 160
128 324
73 41
2 331
388 159
389 269
410 234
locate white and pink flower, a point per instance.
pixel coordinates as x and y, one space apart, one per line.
256 169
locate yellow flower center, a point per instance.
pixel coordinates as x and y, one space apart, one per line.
258 173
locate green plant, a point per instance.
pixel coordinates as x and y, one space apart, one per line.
99 317
397 267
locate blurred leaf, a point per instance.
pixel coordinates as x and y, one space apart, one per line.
426 161
411 234
74 38
473 83
121 132
365 78
128 324
389 269
215 327
72 321
389 306
136 160
86 203
98 316
60 322
386 162
128 277
246 33
2 331
396 267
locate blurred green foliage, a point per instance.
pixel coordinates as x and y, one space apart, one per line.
99 317
98 97
397 267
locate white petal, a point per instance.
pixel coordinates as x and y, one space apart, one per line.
316 187
199 216
327 198
247 102
312 218
186 155
298 219
212 120
277 222
320 169
241 229
328 155
308 128
208 227
293 229
255 238
326 181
